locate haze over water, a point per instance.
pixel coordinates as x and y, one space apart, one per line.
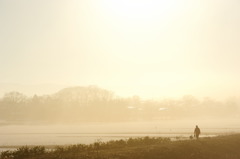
18 135
78 71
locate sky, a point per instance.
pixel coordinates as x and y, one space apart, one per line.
150 48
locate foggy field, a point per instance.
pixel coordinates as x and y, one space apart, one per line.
97 77
84 115
222 147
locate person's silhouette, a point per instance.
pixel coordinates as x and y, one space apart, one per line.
197 132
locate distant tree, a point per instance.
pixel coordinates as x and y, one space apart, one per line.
14 97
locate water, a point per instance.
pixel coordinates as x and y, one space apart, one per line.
12 136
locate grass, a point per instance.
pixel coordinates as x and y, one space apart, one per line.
221 147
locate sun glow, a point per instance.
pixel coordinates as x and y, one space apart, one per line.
141 9
146 47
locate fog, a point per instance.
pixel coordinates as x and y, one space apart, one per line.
153 48
88 114
93 104
148 67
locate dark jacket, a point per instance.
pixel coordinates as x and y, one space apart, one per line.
197 130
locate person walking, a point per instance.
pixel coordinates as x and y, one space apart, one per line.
197 132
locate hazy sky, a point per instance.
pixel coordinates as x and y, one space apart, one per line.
151 48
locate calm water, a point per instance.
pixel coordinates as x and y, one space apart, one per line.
16 135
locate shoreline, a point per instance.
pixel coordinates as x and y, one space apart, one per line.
153 135
221 147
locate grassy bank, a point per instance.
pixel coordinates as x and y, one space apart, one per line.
222 147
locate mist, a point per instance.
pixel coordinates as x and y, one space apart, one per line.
76 105
77 72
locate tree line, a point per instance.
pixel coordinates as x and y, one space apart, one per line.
93 104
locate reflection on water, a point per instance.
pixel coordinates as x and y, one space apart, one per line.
88 133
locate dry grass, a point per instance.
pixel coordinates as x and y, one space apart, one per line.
222 147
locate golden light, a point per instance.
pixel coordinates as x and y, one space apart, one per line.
141 9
